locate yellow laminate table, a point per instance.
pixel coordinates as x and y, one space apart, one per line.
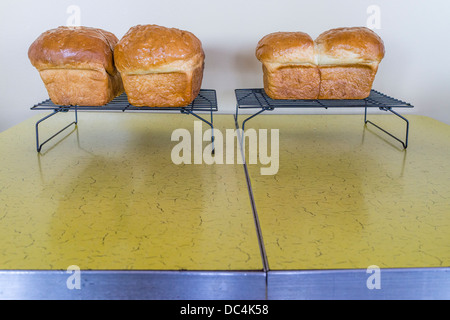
347 197
107 196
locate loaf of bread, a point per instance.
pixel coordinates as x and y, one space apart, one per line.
76 65
340 64
348 60
160 67
289 67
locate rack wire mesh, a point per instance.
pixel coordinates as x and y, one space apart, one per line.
258 99
206 101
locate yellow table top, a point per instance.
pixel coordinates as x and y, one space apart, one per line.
107 196
346 196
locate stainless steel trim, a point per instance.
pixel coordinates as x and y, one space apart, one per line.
395 284
127 285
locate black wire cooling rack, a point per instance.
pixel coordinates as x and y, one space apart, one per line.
206 101
258 99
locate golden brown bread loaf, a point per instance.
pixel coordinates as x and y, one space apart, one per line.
348 60
77 65
160 67
289 67
340 64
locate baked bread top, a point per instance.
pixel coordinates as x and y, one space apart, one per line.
349 46
72 48
151 48
286 47
340 46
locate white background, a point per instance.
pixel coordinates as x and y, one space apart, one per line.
416 34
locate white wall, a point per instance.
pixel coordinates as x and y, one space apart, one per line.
416 67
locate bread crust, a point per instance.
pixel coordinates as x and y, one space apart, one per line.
349 46
173 89
286 47
81 87
346 82
76 65
74 47
160 67
340 64
153 48
291 81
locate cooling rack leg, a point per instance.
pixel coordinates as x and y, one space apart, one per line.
245 121
205 121
404 143
39 145
212 134
251 117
